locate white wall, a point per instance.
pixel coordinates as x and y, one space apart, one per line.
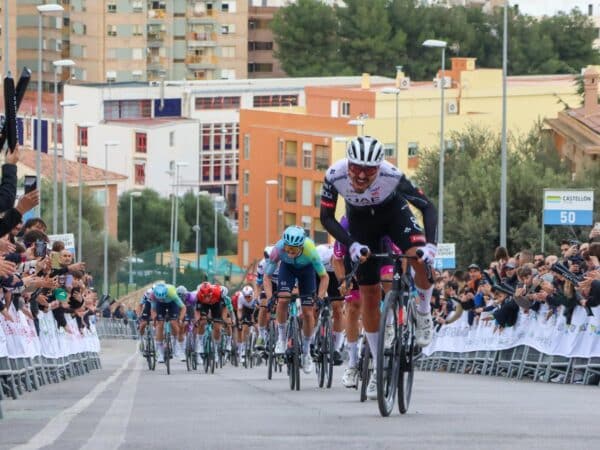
552 7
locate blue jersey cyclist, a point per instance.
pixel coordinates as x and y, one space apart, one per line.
298 261
169 307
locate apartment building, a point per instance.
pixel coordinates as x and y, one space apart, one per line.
294 148
12 43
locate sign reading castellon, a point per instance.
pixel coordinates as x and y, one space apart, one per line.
568 207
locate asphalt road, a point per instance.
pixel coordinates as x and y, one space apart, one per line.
125 406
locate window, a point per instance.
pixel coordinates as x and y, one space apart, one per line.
321 157
290 189
246 184
307 150
82 160
320 236
136 30
413 149
345 109
246 146
317 197
140 142
260 67
111 8
289 219
82 136
228 52
590 9
389 150
305 222
225 29
137 6
140 173
260 101
59 133
307 192
111 30
246 217
171 139
259 46
279 187
280 151
291 153
127 109
225 7
217 102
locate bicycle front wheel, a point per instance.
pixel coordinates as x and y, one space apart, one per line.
407 369
271 350
388 359
320 352
168 353
328 354
207 351
366 368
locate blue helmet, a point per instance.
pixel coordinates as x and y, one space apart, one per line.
160 291
294 236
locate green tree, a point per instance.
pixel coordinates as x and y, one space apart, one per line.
306 35
472 191
368 42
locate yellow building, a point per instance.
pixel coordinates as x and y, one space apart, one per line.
292 147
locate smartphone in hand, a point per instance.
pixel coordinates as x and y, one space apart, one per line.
30 183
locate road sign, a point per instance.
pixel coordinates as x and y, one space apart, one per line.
568 207
446 257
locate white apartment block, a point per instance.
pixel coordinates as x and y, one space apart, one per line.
196 122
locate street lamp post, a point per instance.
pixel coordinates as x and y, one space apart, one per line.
42 9
175 253
434 43
131 195
504 168
396 92
217 206
106 145
58 65
80 128
356 123
268 183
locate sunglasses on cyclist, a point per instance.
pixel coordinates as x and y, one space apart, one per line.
356 169
291 249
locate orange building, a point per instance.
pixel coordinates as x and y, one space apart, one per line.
283 158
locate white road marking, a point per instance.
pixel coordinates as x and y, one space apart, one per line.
53 429
110 431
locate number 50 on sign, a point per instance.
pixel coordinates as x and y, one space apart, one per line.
568 207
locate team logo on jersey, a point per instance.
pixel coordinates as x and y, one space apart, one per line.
415 223
417 238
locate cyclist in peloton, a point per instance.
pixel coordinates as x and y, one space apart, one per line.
326 253
377 195
299 261
169 307
263 313
143 310
189 300
247 304
211 299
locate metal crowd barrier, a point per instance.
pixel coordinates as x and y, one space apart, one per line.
109 328
519 362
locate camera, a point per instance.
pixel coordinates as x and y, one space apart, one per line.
574 242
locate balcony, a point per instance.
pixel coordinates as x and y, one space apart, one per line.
195 15
201 62
201 39
156 62
157 14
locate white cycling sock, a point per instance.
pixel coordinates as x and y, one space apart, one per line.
243 348
281 329
389 319
424 305
373 339
262 332
239 348
306 344
352 354
338 340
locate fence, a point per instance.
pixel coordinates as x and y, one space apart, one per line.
541 347
116 328
29 360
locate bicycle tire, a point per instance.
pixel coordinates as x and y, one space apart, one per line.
148 350
188 353
213 362
167 356
297 352
153 354
407 369
270 350
291 359
207 350
328 355
388 361
319 366
365 369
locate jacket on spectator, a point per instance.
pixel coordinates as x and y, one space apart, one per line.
8 187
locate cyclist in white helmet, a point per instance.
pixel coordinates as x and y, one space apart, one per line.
377 194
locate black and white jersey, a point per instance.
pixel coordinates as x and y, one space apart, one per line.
389 183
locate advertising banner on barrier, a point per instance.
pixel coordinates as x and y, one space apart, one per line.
581 338
445 257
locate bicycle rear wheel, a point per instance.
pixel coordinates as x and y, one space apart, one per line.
188 353
328 354
407 369
320 352
388 359
366 368
270 350
207 351
168 352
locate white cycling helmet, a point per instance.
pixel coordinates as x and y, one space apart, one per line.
365 151
181 290
247 291
267 251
